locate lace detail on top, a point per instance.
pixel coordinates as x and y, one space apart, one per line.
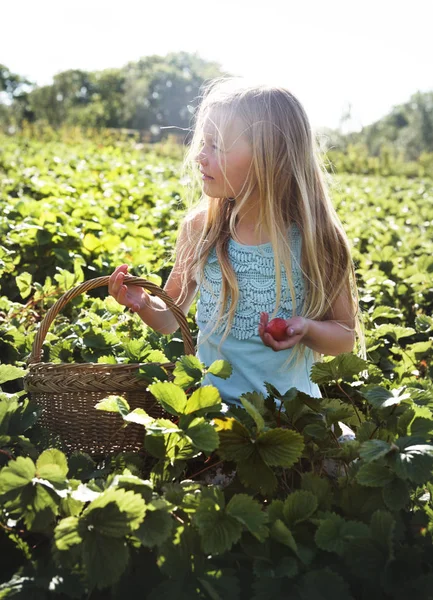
255 271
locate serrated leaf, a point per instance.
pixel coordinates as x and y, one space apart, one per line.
386 312
52 465
373 450
282 534
255 473
16 475
342 366
115 513
202 435
218 530
105 559
139 416
254 413
380 397
415 462
220 368
280 447
171 397
188 370
155 529
235 441
334 533
66 534
396 494
24 284
323 584
152 373
113 403
206 399
382 527
275 510
394 331
424 323
336 410
320 487
299 506
9 373
249 512
374 475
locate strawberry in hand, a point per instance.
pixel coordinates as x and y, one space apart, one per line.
282 334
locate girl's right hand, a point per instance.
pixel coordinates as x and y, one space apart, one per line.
132 297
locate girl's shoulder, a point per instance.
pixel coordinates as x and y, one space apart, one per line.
192 226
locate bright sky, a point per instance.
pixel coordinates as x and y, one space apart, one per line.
370 54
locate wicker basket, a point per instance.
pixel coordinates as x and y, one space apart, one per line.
67 393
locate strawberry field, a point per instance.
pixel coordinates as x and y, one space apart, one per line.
218 504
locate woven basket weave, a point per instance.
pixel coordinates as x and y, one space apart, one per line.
67 393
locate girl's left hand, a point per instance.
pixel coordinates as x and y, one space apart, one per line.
297 328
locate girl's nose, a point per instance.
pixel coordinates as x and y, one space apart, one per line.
201 157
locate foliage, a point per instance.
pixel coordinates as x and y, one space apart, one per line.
264 500
149 94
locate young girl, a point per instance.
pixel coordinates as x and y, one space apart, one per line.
264 241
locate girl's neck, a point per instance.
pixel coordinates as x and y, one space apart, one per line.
246 226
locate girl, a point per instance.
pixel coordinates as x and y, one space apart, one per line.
263 241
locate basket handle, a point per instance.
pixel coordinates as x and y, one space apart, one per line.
36 355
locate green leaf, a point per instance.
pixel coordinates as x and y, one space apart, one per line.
206 399
16 475
336 410
115 513
249 512
114 403
188 370
299 506
280 447
24 284
235 441
52 465
171 397
382 527
105 559
424 323
255 473
320 487
9 373
66 534
282 534
202 435
155 529
373 450
342 366
380 397
139 416
323 584
254 413
334 533
220 368
394 331
414 462
218 530
374 475
150 372
396 494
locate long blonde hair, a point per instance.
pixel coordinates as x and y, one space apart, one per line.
289 175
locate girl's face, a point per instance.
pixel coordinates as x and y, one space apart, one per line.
225 163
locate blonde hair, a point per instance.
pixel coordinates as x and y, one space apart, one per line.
289 175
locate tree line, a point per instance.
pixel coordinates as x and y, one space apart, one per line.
158 94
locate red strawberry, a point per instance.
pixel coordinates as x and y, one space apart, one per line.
278 329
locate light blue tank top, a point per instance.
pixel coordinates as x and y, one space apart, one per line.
253 363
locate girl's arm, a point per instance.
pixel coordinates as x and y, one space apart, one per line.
332 336
151 309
